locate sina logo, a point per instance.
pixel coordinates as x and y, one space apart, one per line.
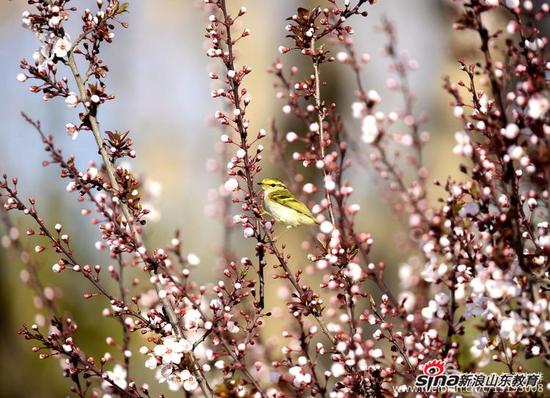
433 376
434 368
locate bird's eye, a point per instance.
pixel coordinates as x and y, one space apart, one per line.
272 185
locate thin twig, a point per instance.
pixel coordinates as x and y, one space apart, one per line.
321 120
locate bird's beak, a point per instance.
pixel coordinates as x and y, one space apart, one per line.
259 183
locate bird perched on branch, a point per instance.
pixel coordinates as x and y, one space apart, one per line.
283 205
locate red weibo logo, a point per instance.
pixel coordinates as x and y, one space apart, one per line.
434 368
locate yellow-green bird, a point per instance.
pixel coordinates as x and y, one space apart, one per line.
283 205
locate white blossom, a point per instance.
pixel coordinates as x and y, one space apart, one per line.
193 259
172 350
358 109
342 56
174 379
511 131
369 129
301 376
373 96
480 349
231 185
291 136
118 376
61 47
314 127
354 271
326 227
190 383
71 100
484 101
232 327
151 362
248 232
463 144
337 369
512 328
192 319
537 106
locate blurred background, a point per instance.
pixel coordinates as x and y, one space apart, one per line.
159 74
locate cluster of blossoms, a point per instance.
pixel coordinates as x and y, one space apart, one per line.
166 357
488 240
478 263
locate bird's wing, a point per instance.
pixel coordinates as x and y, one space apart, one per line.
286 198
